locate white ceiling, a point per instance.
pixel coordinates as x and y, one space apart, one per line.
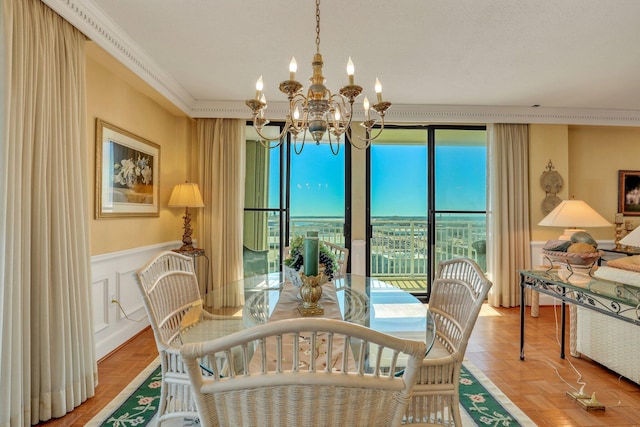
464 59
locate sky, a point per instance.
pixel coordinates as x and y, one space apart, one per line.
398 180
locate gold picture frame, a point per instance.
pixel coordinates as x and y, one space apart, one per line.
629 192
127 174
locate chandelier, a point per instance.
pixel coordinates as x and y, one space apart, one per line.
320 112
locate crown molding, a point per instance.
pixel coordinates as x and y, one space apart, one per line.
85 16
468 114
97 26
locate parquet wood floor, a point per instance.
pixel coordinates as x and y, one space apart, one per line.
537 384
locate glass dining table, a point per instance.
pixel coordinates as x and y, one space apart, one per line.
367 301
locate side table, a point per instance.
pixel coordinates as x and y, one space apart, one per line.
196 253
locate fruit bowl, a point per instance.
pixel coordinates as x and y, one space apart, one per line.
571 258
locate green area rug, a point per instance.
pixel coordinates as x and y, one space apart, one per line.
483 403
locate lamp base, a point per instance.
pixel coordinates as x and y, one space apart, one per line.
187 243
186 247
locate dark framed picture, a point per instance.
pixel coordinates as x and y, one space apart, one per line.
127 172
629 193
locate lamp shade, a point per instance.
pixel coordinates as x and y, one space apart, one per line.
574 213
186 195
632 239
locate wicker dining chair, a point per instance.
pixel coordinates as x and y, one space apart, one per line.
456 298
284 385
171 297
342 257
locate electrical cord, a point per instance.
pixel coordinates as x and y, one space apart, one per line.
116 302
579 380
579 393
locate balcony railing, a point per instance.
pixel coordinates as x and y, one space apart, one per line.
399 247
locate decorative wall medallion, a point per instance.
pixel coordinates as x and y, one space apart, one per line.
551 183
549 203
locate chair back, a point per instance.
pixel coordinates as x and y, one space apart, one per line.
455 301
342 257
463 269
171 297
169 288
305 372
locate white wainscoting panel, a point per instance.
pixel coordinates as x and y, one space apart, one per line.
113 277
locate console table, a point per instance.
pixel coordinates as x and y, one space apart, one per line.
613 299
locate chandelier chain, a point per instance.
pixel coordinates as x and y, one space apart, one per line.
317 26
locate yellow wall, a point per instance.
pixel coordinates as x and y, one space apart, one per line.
117 96
588 158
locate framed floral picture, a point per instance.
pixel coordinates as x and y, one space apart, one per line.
126 173
629 192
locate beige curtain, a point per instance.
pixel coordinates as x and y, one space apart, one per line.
255 232
47 354
508 235
221 169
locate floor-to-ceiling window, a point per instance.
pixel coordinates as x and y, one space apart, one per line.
459 196
289 190
398 244
427 202
264 212
317 192
425 197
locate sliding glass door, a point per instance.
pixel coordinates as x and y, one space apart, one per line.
290 190
398 241
426 202
317 192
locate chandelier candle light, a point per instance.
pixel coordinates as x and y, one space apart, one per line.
322 111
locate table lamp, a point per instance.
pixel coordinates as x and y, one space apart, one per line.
632 239
574 215
186 195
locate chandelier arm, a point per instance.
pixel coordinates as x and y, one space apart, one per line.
266 138
297 124
366 140
268 145
295 143
346 113
335 153
370 139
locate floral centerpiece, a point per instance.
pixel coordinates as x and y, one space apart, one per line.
327 260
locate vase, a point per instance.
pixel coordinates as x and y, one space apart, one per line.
311 292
